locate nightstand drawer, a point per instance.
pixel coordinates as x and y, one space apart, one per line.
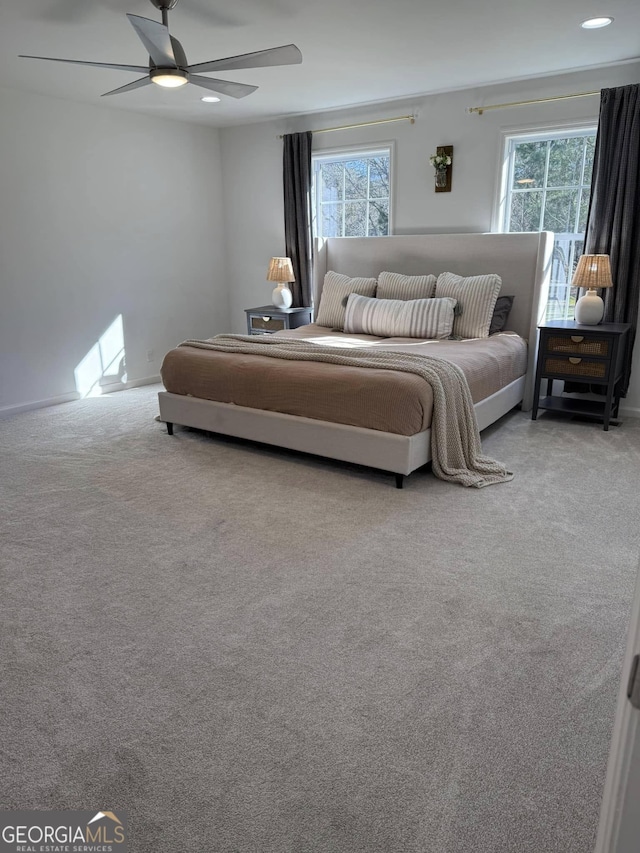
267 319
266 324
571 366
579 344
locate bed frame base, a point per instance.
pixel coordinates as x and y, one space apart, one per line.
399 454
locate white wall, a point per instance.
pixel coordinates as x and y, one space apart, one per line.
252 158
102 213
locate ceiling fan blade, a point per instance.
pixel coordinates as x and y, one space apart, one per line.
288 54
155 37
144 81
223 87
139 69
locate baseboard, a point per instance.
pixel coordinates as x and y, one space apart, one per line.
136 383
629 411
8 411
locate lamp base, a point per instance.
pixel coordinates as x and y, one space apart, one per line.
282 297
589 309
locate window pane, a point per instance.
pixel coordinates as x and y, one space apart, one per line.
525 211
332 220
562 296
584 210
561 262
578 250
550 190
378 218
528 167
558 306
379 177
560 211
355 219
332 174
565 162
355 179
590 144
350 193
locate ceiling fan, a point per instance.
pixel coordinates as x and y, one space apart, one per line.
168 63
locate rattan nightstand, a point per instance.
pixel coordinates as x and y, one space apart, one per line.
591 354
269 319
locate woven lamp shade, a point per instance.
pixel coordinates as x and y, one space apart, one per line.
280 269
593 271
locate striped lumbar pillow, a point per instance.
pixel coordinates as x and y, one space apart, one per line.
399 318
476 296
335 292
394 285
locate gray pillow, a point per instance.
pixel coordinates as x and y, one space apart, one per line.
501 314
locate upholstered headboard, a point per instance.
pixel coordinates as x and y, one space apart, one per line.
522 260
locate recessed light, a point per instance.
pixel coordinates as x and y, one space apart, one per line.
596 23
210 99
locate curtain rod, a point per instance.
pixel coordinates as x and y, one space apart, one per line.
411 119
481 110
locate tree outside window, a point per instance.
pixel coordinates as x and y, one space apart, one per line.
351 193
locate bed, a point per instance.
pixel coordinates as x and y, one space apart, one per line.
522 261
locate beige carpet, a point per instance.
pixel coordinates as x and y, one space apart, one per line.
252 651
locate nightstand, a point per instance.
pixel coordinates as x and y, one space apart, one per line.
269 319
574 353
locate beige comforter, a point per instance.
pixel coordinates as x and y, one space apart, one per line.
390 401
455 441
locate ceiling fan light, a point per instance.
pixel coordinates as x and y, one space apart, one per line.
169 78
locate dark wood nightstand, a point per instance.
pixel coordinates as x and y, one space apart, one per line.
574 353
269 319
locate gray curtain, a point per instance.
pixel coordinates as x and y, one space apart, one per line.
297 213
613 222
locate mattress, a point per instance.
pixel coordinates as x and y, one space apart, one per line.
386 400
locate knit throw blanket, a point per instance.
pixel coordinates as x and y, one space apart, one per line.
455 440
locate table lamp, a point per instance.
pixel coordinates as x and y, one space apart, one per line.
281 270
593 271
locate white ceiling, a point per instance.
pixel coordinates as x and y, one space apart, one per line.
354 51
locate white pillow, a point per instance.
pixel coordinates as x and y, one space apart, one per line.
335 292
399 318
394 285
476 296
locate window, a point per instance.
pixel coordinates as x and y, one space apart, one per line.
547 181
351 193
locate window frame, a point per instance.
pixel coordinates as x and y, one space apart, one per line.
339 152
549 130
504 185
